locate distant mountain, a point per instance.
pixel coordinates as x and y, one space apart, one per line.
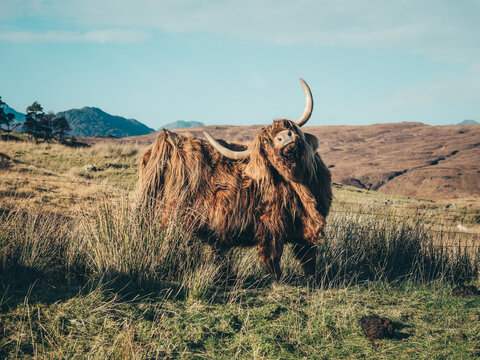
179 124
19 117
91 121
468 122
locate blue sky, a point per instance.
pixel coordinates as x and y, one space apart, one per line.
238 62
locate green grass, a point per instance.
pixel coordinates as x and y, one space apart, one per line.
111 284
275 322
99 279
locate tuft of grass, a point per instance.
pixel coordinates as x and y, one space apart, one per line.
124 241
34 243
387 248
119 241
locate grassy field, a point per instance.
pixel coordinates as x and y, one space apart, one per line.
86 275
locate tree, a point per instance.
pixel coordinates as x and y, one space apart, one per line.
30 127
5 119
32 124
9 120
45 126
61 128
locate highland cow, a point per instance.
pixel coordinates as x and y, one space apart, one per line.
275 191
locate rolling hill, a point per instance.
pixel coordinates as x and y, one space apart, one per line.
411 159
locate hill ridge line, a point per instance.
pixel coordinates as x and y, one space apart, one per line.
397 158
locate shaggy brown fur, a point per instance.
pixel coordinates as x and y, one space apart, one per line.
276 196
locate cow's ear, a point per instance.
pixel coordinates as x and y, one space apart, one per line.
257 167
312 140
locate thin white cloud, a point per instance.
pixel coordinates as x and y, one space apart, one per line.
458 91
443 29
97 36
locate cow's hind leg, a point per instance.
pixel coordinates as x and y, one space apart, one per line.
306 255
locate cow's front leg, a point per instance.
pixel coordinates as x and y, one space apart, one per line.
306 254
270 255
306 249
313 229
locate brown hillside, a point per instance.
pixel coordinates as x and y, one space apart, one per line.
412 159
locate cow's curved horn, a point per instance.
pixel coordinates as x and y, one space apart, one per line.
236 155
308 105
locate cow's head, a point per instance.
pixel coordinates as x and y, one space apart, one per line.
281 145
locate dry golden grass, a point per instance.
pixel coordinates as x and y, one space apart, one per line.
55 174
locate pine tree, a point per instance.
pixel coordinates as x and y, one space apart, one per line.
45 124
61 128
32 124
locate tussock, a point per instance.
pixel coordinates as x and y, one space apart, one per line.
119 241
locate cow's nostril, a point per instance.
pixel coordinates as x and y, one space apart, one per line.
289 133
279 139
